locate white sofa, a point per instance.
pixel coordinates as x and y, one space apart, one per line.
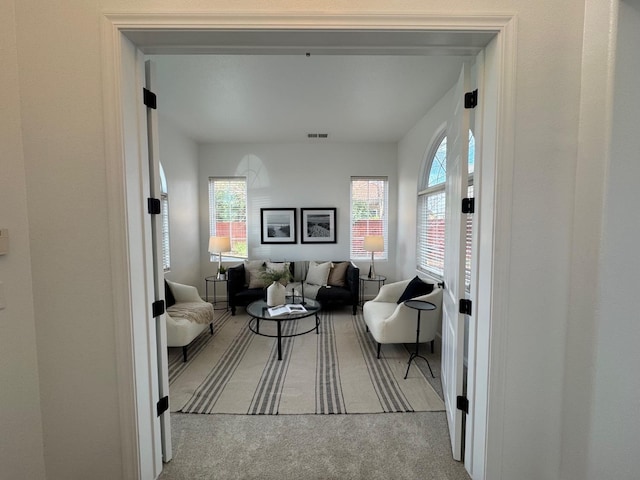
181 331
390 322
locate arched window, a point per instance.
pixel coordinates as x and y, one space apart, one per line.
431 219
164 200
431 210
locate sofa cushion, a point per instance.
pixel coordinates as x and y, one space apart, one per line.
169 299
253 272
318 273
415 288
338 274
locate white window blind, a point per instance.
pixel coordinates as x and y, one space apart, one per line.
166 248
431 212
369 204
164 213
228 212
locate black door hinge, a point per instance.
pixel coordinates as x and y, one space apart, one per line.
462 403
465 306
468 205
149 98
162 405
157 308
471 99
153 206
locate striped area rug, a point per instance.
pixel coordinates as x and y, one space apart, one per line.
334 371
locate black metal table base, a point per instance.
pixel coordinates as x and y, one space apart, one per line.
415 355
279 336
418 305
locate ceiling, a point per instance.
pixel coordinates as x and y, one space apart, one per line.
283 98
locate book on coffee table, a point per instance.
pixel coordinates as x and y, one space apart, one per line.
286 309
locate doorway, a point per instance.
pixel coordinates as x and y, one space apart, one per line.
128 37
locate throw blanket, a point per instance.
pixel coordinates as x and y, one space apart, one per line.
198 312
310 291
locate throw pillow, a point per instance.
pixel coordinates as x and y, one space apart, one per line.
279 267
318 273
415 288
168 295
253 273
338 274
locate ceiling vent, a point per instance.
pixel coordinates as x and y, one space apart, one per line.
317 135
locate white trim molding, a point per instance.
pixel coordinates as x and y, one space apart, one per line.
416 33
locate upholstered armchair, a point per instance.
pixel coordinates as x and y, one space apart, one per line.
187 315
392 322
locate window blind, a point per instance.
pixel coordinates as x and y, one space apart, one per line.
228 212
369 204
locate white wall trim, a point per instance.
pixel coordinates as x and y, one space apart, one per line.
503 26
120 284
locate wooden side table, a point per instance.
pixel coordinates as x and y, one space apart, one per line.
215 280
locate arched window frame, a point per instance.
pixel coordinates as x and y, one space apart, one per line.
431 205
431 210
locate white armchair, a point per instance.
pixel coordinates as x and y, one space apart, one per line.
188 317
390 322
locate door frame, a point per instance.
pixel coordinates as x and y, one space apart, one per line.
146 30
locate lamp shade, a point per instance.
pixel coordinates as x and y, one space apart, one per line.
219 244
373 243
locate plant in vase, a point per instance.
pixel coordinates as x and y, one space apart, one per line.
222 273
277 279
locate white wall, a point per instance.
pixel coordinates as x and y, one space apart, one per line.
302 175
61 84
179 158
615 422
21 441
412 151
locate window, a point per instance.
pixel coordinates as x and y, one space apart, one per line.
469 230
164 208
228 212
431 212
368 214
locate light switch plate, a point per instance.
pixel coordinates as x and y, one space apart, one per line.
4 241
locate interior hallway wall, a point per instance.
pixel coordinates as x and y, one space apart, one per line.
21 440
615 417
62 125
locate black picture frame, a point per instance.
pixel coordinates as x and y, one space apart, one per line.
278 225
318 225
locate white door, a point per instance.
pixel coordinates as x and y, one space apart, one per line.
454 261
155 242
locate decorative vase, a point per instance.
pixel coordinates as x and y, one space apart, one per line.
276 294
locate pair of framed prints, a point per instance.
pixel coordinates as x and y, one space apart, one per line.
317 225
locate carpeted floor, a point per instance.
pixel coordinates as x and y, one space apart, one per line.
397 446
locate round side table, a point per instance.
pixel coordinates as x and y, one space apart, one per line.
419 305
215 280
379 279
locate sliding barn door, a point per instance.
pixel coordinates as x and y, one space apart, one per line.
454 262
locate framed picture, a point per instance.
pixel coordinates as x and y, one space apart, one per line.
278 225
318 225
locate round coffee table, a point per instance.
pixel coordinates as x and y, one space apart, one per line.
259 310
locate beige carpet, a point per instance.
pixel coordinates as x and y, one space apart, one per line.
333 372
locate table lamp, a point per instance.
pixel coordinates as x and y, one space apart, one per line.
373 243
219 245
